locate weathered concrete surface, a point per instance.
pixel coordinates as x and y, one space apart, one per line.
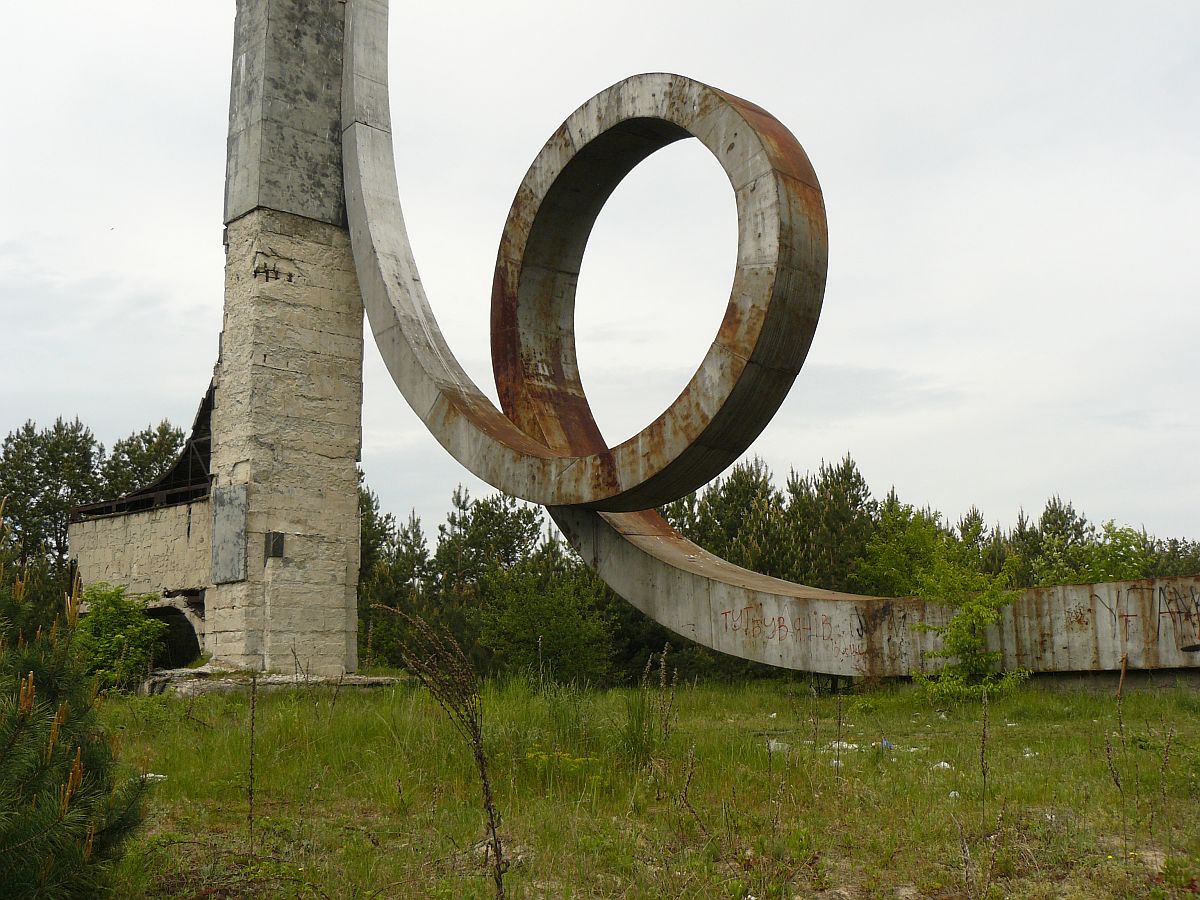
774 301
1151 623
230 507
287 420
285 110
158 551
743 613
1154 623
209 679
286 428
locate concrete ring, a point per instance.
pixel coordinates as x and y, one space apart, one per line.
550 452
768 325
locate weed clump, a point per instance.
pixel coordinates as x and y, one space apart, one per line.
437 660
120 640
649 713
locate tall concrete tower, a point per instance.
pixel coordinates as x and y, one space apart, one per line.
286 423
254 533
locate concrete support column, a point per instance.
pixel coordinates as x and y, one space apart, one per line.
287 416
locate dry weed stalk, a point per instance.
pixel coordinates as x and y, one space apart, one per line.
1115 774
300 670
964 851
777 804
250 768
1125 759
837 761
1169 730
435 657
814 718
337 691
977 879
983 760
1166 760
666 695
684 795
189 710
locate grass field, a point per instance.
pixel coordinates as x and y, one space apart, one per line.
762 790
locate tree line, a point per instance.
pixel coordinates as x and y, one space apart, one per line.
44 472
502 581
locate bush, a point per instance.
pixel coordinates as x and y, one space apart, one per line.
65 806
548 625
970 668
119 638
912 554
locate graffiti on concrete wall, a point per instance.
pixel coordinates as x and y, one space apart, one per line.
1146 624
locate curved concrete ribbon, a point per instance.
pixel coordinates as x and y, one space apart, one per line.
545 446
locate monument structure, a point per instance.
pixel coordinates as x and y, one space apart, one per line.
310 156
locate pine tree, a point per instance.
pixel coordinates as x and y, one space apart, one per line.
65 806
399 579
137 460
681 514
1067 540
740 518
831 517
1025 542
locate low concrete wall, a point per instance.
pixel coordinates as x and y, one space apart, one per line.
1154 623
1151 623
150 552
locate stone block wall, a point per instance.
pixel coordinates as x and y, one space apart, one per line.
287 426
150 552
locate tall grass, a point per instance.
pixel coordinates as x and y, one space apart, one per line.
374 795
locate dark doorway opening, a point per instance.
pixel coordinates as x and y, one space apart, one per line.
181 647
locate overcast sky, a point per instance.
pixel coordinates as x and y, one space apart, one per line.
1012 189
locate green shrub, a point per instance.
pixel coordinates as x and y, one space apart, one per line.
118 636
65 806
970 668
912 554
551 626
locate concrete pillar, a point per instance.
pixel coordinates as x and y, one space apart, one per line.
287 419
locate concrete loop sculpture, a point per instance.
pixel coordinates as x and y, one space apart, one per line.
768 324
545 446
